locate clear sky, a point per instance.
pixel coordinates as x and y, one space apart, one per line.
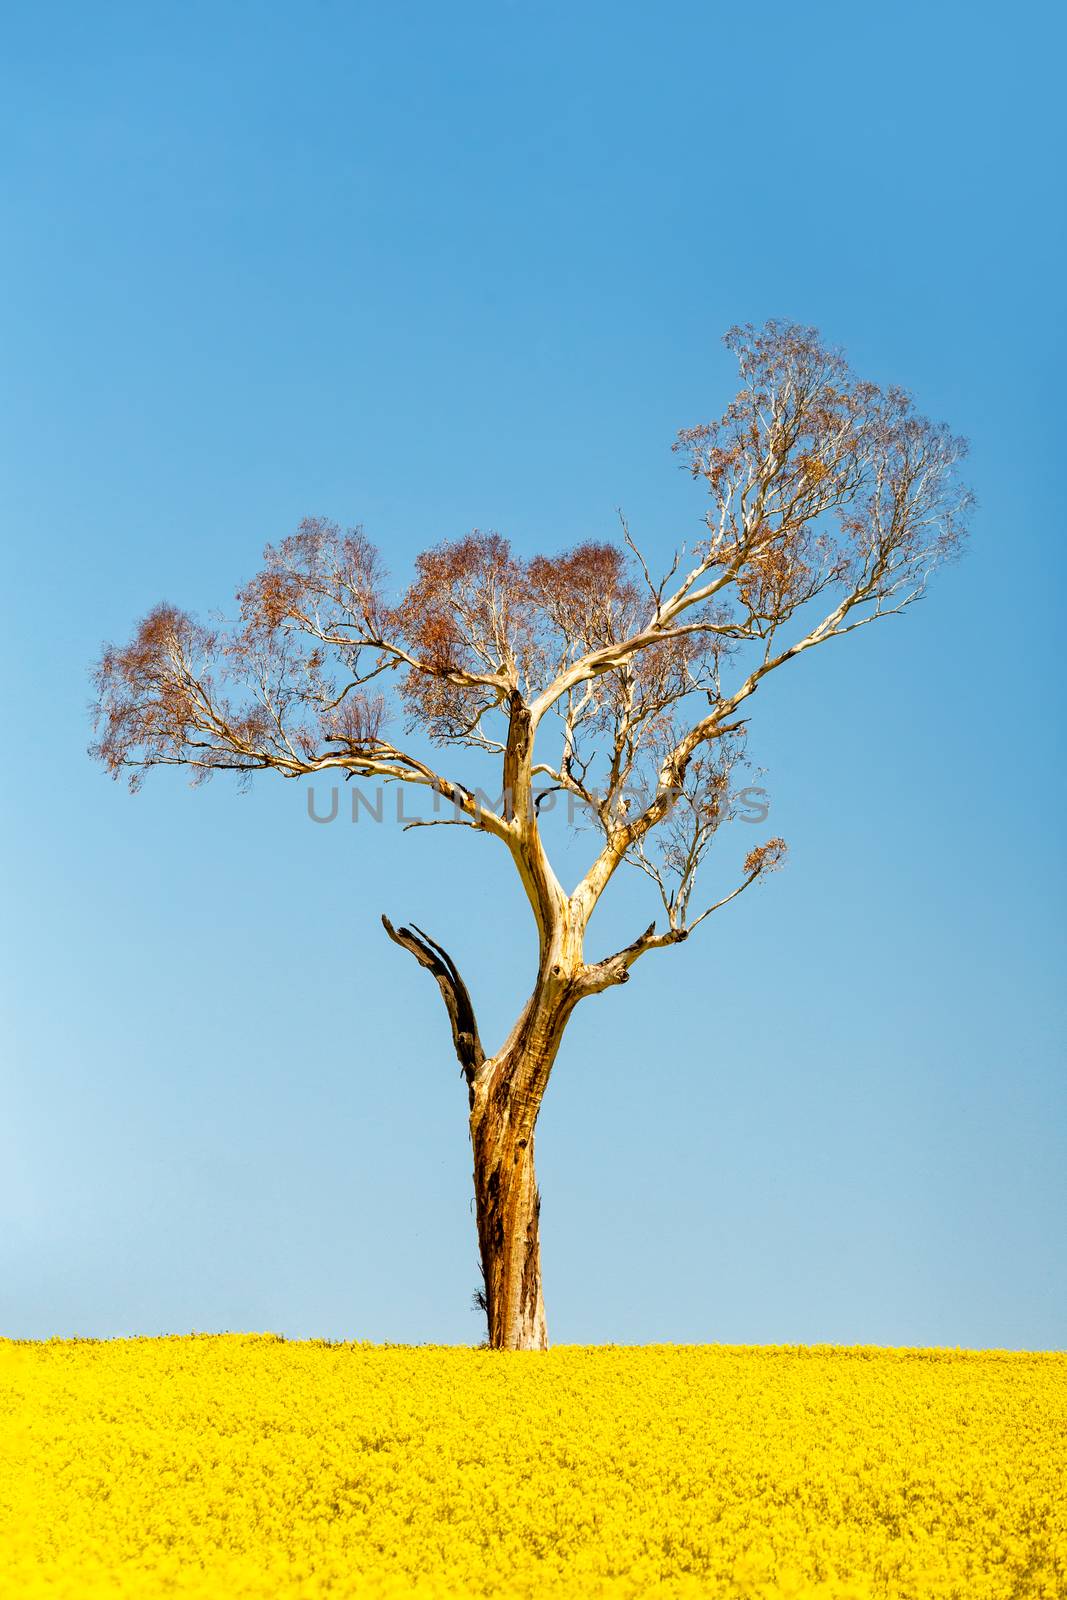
436 267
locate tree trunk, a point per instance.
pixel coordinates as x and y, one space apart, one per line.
508 1209
506 1095
505 1092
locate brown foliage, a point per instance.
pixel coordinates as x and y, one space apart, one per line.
466 621
148 697
766 857
819 479
820 485
587 597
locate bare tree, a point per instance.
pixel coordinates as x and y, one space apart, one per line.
830 503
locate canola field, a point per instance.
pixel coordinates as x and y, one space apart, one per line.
249 1466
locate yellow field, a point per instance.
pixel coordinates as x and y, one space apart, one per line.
249 1466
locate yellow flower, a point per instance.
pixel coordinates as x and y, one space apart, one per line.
246 1467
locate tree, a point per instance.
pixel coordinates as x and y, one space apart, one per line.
831 502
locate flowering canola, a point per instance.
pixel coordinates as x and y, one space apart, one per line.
249 1466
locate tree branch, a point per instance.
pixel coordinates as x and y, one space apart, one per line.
454 991
616 969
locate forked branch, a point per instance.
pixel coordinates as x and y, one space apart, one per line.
454 991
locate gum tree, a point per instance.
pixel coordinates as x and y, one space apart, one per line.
830 502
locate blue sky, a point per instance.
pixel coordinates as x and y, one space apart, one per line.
432 268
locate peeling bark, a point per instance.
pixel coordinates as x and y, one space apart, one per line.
509 1207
